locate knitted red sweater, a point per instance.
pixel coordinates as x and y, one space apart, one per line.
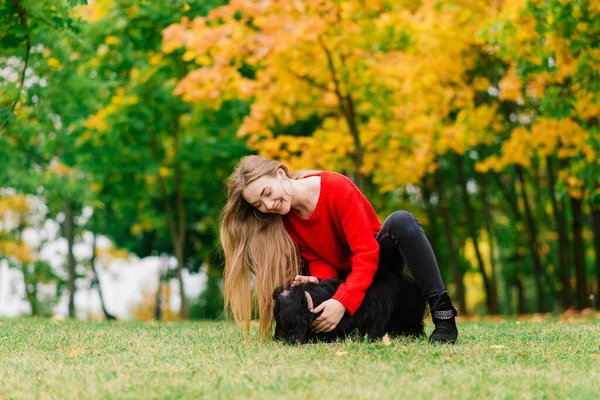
338 236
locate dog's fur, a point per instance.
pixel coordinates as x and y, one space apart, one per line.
393 304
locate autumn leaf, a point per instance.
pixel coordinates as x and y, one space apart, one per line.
386 340
75 352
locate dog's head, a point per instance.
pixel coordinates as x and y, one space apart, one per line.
292 314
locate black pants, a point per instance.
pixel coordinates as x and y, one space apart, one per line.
402 241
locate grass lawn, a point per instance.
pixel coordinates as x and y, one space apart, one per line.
508 360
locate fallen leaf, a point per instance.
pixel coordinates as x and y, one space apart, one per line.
386 340
498 346
75 352
341 353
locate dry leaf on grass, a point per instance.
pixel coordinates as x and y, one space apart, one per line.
498 346
75 352
341 353
386 340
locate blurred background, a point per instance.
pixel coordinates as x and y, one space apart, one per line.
120 121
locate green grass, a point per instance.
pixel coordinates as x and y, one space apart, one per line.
63 360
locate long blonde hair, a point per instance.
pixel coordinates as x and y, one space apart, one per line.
253 245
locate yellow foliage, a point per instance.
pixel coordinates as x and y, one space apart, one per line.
401 69
156 58
587 105
54 63
510 85
15 203
474 290
61 169
132 11
124 100
536 87
163 171
93 12
481 83
144 311
98 121
112 253
547 136
16 249
134 73
111 40
96 187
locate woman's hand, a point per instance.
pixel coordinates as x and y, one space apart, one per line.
333 311
303 280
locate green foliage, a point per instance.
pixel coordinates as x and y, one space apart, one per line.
210 303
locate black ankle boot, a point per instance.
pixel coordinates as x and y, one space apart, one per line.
443 314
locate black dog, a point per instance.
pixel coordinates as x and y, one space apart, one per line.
393 304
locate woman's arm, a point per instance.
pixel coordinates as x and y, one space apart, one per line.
356 222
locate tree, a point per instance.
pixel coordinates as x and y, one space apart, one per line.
154 145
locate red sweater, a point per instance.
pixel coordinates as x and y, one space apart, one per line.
339 236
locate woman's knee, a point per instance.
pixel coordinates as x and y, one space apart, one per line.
402 223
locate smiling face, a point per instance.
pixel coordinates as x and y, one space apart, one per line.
266 194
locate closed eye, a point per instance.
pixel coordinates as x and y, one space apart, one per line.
257 204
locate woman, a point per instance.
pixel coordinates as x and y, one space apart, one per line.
273 219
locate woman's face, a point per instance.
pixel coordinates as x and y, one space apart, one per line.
266 194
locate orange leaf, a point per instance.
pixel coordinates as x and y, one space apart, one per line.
75 352
386 340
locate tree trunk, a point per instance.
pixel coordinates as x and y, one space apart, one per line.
492 304
487 224
358 150
520 294
176 227
346 105
180 242
563 239
158 306
581 293
511 198
96 281
456 273
28 280
533 243
596 223
31 289
69 235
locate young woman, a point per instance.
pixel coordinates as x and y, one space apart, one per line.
273 219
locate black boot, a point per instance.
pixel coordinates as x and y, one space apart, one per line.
443 314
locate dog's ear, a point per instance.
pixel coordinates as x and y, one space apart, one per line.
279 333
298 334
277 292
